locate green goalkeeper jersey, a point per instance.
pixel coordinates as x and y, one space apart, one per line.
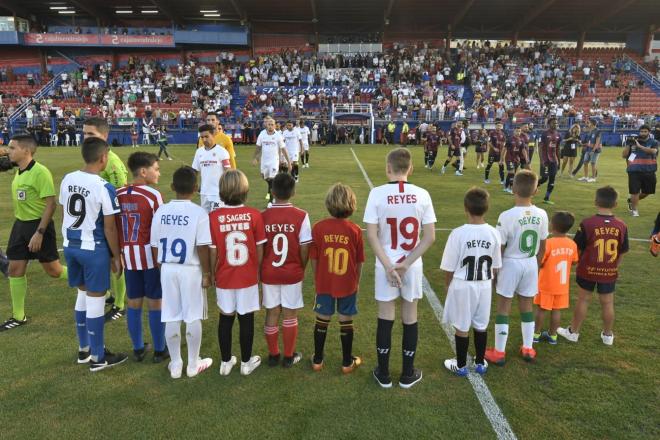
115 172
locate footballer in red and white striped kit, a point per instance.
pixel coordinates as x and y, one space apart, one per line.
138 203
289 235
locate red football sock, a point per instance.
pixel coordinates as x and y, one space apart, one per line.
272 336
289 335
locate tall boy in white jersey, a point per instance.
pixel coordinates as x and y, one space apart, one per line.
211 162
523 230
395 215
304 138
472 254
180 238
270 145
293 143
91 245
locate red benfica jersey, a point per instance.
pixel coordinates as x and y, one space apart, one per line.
287 228
497 142
549 146
513 149
602 240
138 204
338 248
236 231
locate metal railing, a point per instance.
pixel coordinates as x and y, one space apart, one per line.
50 85
653 82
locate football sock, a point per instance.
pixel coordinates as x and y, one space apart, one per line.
509 181
446 163
134 322
95 321
80 314
270 186
480 341
527 327
118 288
224 336
384 345
501 166
488 167
320 332
289 335
173 338
432 159
409 347
18 290
426 158
272 338
64 275
246 335
346 335
294 170
462 343
501 332
194 340
157 329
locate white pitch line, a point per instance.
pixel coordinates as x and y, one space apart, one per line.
492 411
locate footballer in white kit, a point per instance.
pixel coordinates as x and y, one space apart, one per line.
522 230
211 162
270 145
304 138
471 253
400 209
293 143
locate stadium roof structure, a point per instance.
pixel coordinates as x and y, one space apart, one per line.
598 20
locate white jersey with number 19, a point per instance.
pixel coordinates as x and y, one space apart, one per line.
521 229
399 209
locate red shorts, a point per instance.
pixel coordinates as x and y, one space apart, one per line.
548 301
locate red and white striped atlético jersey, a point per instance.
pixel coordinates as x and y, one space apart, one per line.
138 203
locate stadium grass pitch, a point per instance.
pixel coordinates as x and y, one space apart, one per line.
584 390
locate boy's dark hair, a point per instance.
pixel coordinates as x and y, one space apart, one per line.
476 201
206 127
93 149
184 180
141 159
26 140
284 186
525 183
606 197
100 124
562 221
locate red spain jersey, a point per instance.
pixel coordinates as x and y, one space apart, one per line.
138 203
549 146
236 231
602 240
338 249
287 229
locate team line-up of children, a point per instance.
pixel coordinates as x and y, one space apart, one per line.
171 252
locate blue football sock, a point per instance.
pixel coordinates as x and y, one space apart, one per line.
95 322
134 321
81 329
157 330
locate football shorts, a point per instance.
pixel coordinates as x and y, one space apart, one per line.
411 284
549 301
305 147
326 305
241 301
293 155
88 268
21 234
210 203
184 298
468 304
269 171
602 288
518 275
141 283
286 295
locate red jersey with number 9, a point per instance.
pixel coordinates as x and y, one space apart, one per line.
602 240
287 228
236 231
338 248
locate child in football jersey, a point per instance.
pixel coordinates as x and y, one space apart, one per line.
396 214
523 230
238 238
554 276
138 203
602 240
180 240
91 249
210 161
337 254
289 235
471 257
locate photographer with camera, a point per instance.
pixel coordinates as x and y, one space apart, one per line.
641 154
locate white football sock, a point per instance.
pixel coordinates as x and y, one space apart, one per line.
527 333
501 335
173 339
194 340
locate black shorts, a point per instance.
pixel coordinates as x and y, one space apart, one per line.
602 288
512 166
493 157
643 182
568 152
22 232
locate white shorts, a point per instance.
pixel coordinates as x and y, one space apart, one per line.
241 301
286 295
184 298
209 203
468 304
411 284
306 147
518 275
293 155
269 171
